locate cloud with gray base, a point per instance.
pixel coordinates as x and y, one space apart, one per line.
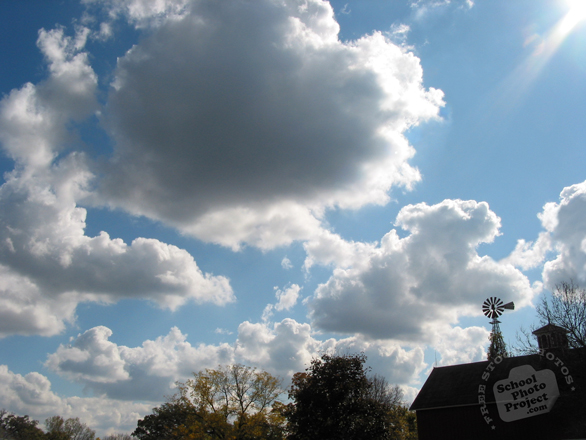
407 288
149 372
240 122
48 264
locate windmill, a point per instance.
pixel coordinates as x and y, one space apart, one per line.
493 307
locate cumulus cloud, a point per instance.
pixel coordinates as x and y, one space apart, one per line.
150 371
118 375
42 235
48 263
91 357
287 298
240 122
566 223
222 331
25 310
30 391
404 288
564 236
288 347
265 227
140 13
457 345
328 248
286 263
31 394
33 119
530 254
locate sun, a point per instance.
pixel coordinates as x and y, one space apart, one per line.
576 13
577 9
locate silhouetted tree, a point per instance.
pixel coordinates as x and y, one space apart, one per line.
70 429
15 427
497 345
334 399
165 421
382 392
565 307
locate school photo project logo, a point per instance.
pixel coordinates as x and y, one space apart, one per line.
525 393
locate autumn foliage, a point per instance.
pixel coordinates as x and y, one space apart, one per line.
232 403
332 399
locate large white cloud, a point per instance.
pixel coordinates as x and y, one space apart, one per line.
47 262
288 347
457 345
241 121
32 394
134 373
42 237
25 310
566 223
33 119
564 236
405 287
150 371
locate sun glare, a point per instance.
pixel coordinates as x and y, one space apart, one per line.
576 13
578 8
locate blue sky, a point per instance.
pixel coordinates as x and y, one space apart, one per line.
194 183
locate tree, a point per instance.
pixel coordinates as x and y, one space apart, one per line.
15 427
334 399
233 402
402 422
497 345
70 429
565 307
381 391
165 422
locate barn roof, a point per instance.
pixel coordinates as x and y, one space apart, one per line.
458 385
549 328
455 385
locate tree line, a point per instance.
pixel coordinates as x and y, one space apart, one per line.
13 427
333 399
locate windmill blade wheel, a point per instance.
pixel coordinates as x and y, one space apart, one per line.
493 307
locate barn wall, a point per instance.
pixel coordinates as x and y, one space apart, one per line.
467 423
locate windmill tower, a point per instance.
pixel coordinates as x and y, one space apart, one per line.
493 308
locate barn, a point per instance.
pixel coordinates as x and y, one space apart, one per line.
539 396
